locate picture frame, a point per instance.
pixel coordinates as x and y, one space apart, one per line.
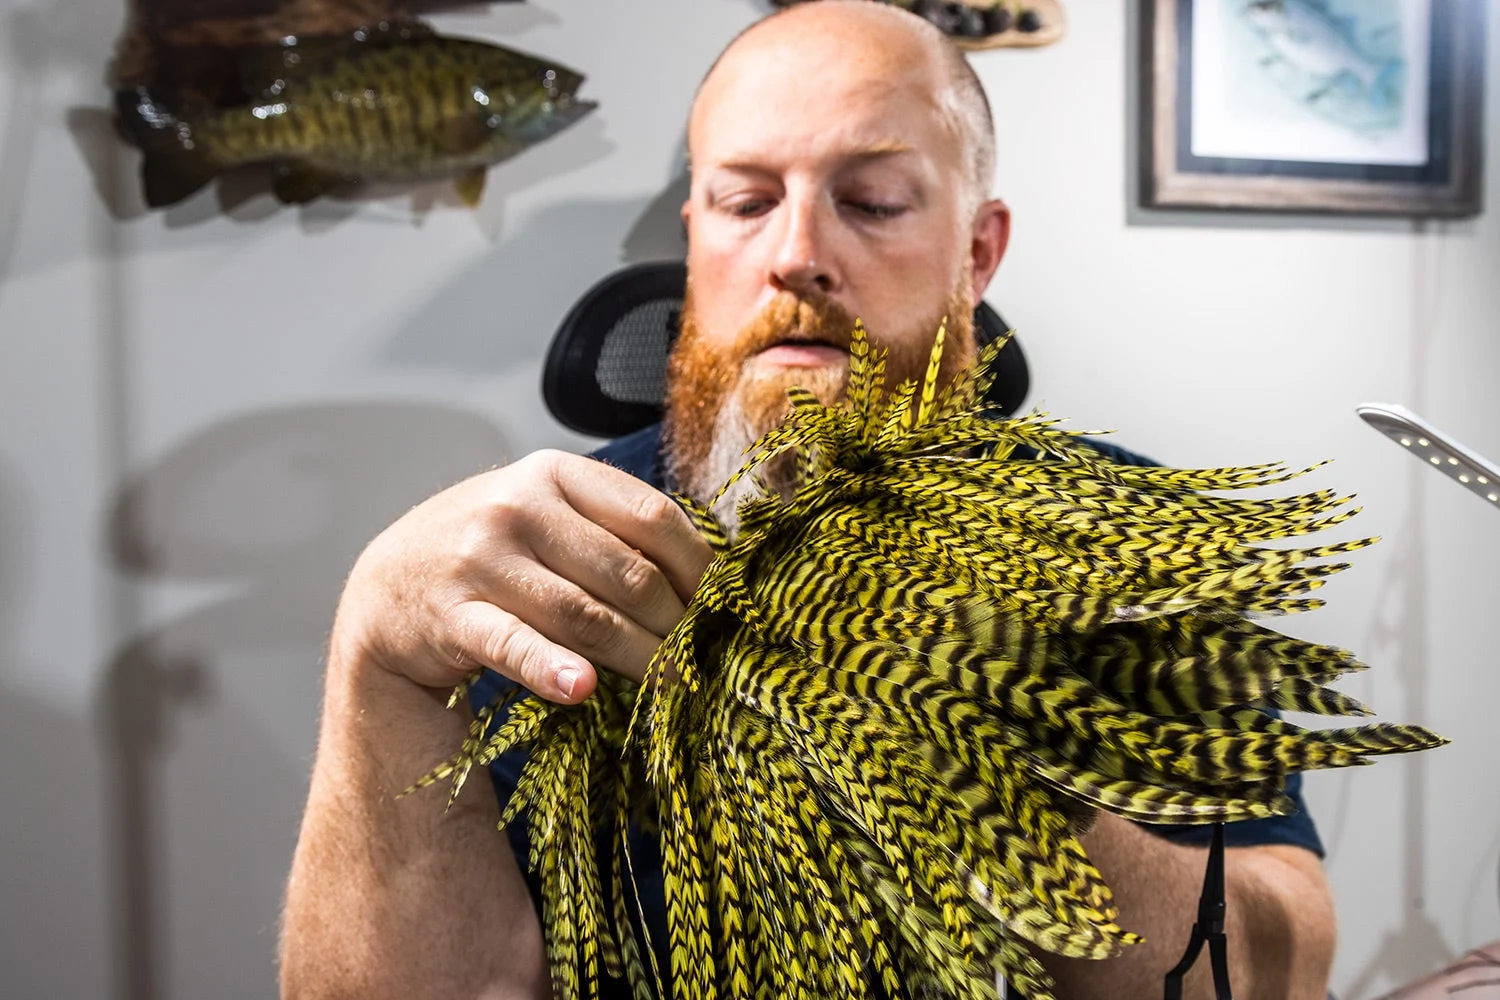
1292 106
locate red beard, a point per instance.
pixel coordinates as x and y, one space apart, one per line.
717 406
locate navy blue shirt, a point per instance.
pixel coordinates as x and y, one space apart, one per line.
640 455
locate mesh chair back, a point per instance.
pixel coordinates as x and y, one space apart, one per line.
605 373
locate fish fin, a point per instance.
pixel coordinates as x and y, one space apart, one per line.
175 166
264 70
269 69
298 182
167 180
394 31
470 185
463 134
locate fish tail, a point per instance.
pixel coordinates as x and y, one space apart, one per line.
177 163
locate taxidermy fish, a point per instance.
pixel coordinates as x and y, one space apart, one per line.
399 104
905 691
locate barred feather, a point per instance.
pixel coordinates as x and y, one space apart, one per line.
905 691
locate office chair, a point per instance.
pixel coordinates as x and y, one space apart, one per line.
605 373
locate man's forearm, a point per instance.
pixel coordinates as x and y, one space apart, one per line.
1279 920
396 898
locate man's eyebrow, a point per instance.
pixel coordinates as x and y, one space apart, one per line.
882 150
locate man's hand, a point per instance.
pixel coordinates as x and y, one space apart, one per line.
541 571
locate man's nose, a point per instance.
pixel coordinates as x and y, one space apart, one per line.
803 261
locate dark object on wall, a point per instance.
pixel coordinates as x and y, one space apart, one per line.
985 24
606 370
1312 106
389 103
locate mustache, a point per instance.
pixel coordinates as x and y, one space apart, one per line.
788 317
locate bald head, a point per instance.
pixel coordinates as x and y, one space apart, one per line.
877 40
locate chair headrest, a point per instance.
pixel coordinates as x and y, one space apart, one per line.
606 371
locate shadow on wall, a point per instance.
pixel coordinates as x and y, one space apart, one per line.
208 718
1400 635
41 40
501 313
50 878
50 873
659 233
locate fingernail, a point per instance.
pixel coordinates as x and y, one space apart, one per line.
566 678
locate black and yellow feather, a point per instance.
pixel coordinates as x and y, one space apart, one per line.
905 689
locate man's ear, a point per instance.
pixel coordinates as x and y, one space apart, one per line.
991 236
687 216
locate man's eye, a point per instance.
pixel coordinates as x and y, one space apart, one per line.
748 208
876 210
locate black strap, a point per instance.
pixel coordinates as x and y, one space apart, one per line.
1209 928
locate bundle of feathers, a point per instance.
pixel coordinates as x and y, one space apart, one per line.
904 691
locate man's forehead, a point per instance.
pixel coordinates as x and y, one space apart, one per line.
853 29
760 107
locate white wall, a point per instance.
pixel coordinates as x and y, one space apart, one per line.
205 413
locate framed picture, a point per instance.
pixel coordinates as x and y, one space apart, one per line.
1360 106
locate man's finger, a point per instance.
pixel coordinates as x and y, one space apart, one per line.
565 613
613 572
642 517
497 639
561 611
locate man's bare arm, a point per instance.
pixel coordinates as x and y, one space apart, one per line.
542 571
397 899
1279 920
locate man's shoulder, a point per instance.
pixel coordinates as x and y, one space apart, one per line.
638 453
1107 449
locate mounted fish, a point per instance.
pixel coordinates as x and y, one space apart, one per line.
390 103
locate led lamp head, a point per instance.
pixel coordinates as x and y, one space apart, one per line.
1473 471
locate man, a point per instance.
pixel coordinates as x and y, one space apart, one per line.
842 159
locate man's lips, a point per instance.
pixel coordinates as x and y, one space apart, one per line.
803 354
